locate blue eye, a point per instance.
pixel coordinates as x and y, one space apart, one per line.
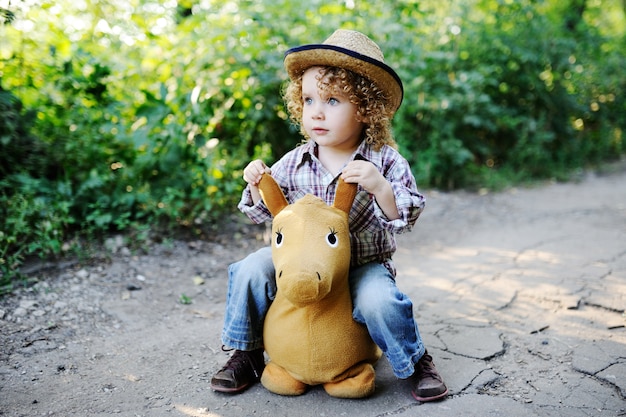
333 101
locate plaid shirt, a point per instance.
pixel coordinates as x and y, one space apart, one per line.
299 172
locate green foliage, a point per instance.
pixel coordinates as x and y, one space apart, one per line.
123 115
509 92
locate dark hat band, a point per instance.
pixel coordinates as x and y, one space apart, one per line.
352 54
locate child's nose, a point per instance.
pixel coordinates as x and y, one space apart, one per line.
318 112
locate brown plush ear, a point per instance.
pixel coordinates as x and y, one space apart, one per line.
272 195
344 196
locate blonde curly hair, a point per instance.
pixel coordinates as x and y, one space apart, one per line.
369 99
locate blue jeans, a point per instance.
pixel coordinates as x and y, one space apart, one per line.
377 302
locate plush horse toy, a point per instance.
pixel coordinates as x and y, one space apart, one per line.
309 333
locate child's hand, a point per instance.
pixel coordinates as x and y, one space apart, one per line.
365 174
254 171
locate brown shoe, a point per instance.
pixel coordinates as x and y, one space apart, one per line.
243 369
427 383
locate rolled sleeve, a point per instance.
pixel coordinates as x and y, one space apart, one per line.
409 201
410 205
257 213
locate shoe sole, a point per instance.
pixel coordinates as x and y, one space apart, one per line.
228 390
427 399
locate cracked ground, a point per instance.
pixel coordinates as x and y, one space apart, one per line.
519 297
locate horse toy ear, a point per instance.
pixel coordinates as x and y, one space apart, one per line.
272 195
275 200
344 196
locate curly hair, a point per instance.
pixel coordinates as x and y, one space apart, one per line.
369 99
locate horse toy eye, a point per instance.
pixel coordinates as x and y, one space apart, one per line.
331 239
279 239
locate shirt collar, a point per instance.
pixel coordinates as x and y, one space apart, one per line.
363 152
307 151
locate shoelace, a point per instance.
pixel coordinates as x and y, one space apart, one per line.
238 360
427 368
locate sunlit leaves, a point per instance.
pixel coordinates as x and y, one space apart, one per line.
147 111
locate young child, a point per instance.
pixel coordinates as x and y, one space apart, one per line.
343 96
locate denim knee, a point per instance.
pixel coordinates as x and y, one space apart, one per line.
373 301
255 271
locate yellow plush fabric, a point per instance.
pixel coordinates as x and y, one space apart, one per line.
309 333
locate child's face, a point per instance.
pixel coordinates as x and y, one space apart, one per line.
329 118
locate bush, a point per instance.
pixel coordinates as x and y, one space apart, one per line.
32 215
509 93
146 120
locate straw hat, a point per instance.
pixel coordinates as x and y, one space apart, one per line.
353 51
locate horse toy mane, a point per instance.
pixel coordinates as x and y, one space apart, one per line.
309 333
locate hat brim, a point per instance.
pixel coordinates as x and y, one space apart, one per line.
299 59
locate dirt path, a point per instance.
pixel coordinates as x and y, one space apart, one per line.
519 296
